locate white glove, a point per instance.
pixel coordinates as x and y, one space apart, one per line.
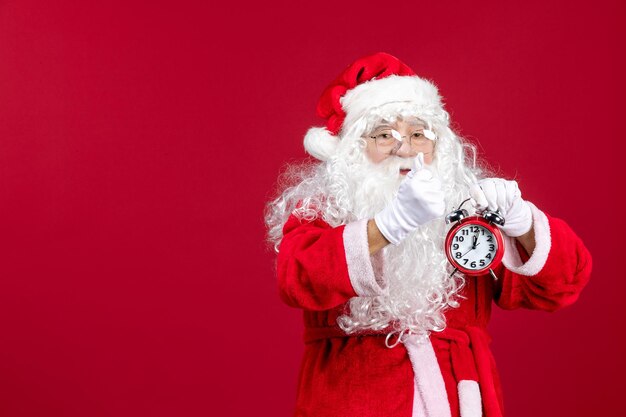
420 199
505 196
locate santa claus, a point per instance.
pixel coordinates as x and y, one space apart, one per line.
390 329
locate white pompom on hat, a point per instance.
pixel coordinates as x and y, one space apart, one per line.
368 83
320 143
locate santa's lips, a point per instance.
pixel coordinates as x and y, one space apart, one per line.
404 171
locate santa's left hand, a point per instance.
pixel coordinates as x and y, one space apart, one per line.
505 196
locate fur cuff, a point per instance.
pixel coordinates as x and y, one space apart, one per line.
365 271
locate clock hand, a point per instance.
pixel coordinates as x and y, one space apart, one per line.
474 245
470 249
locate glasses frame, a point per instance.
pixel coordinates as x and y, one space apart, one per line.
399 143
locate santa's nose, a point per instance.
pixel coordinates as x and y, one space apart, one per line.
405 150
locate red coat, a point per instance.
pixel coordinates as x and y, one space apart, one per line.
320 268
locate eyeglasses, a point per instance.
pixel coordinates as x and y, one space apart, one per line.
389 141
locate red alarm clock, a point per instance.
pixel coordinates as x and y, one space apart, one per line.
474 245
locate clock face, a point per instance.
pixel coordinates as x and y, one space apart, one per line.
473 247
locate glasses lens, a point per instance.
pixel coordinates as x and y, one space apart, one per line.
418 140
385 142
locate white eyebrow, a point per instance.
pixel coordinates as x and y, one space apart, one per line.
416 124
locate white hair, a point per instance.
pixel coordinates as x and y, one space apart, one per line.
348 187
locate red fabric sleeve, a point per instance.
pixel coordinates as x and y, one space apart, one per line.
311 265
557 284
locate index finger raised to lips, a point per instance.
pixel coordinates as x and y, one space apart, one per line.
418 162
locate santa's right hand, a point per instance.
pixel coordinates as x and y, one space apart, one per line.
420 199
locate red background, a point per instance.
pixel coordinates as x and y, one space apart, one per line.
140 140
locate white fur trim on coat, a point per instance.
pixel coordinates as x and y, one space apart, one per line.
431 399
470 402
394 88
365 271
320 143
543 241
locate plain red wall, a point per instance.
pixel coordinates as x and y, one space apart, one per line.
139 142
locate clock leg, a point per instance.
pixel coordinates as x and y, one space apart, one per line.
495 278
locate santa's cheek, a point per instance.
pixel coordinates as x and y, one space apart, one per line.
377 159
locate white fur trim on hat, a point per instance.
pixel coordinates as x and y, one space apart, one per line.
320 143
394 88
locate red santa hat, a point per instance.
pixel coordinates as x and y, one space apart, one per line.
367 84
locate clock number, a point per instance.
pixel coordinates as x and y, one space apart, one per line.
475 262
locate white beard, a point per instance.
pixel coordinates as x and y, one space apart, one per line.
348 187
416 270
